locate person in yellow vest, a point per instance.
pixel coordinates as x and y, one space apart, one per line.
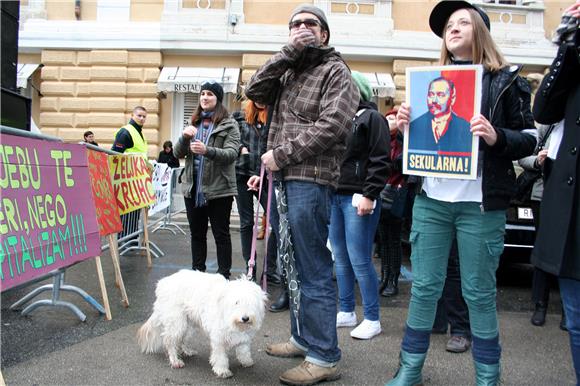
129 138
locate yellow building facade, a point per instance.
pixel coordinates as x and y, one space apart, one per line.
89 62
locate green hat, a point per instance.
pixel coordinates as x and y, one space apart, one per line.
366 92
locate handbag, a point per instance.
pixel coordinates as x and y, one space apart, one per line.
525 181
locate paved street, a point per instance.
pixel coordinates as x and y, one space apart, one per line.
51 346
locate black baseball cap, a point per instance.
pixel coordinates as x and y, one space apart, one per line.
445 8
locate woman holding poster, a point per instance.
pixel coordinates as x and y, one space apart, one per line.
473 211
210 146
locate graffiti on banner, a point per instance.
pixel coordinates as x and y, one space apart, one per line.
47 217
132 184
162 187
102 189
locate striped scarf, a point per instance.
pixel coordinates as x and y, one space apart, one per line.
566 30
203 134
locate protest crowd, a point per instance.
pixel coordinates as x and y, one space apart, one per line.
338 182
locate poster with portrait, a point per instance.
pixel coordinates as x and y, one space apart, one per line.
438 141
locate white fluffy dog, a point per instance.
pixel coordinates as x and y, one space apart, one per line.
229 312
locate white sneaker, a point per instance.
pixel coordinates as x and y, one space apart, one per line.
346 319
367 329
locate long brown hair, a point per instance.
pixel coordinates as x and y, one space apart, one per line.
483 48
254 114
219 114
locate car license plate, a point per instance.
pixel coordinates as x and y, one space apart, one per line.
525 214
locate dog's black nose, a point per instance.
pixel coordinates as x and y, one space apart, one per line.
245 319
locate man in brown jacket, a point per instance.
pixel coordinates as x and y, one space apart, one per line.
314 101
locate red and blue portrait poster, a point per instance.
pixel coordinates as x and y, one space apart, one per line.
438 141
47 217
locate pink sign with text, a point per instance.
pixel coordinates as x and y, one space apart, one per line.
47 215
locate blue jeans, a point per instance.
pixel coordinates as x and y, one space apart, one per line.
308 218
351 237
570 291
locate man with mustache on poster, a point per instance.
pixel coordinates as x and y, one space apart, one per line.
440 129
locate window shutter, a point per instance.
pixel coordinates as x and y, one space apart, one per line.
190 102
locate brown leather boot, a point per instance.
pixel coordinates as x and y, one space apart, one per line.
308 374
284 350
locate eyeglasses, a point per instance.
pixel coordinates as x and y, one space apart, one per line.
310 23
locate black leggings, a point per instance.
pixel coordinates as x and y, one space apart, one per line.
542 281
217 211
390 242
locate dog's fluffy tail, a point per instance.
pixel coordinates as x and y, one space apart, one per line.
149 338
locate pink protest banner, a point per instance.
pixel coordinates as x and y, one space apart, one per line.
47 217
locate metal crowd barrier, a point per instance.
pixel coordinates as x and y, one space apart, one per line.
131 237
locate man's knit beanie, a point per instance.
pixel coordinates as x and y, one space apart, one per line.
319 13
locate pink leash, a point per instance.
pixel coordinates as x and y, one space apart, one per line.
252 262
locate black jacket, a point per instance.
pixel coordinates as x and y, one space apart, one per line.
365 166
168 158
557 248
254 138
509 113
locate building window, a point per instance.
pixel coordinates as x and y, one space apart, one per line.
190 102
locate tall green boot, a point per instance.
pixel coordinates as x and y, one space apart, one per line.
487 375
409 372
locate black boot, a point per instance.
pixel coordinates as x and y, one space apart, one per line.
384 267
384 280
539 315
392 287
283 302
563 321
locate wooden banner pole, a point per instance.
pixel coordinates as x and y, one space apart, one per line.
103 288
114 248
145 217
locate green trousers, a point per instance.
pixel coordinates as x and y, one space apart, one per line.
480 240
